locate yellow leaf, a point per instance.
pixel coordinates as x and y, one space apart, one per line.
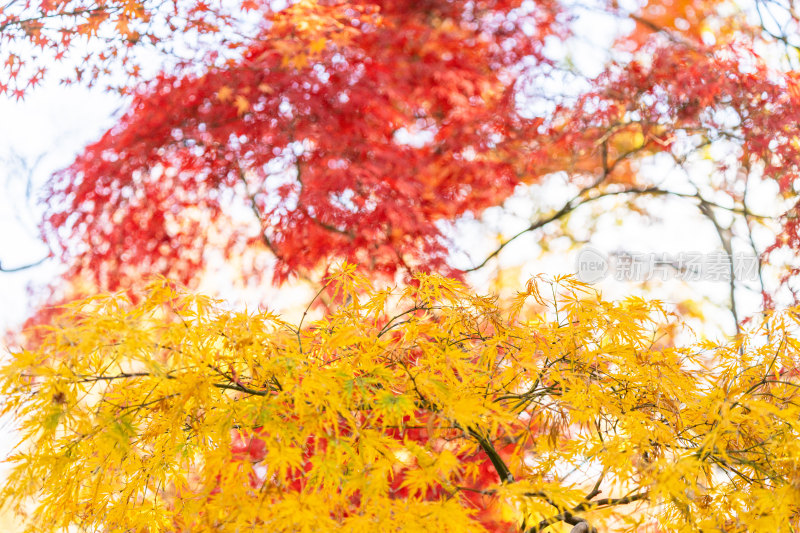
225 93
317 45
242 105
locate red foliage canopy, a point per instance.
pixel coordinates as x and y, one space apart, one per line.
349 129
358 130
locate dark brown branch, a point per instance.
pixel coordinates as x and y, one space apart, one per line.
233 385
570 518
576 202
671 35
44 16
725 240
751 239
497 462
298 331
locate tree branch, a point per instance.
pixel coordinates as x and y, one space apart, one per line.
23 267
497 462
569 518
576 202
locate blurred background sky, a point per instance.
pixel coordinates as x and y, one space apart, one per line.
38 136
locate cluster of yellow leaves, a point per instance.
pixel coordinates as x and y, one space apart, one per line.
422 408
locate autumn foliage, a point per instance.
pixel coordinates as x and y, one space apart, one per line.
316 129
286 137
417 409
363 130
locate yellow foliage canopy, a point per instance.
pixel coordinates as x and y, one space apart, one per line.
424 408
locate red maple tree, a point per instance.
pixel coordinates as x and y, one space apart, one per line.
349 129
359 130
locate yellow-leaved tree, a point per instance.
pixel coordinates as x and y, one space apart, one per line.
423 408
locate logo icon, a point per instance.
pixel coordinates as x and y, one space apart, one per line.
592 265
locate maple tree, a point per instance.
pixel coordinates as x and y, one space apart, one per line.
315 131
421 408
361 130
304 129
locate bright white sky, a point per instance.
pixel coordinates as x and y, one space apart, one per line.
53 124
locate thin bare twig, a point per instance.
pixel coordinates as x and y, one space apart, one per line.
23 267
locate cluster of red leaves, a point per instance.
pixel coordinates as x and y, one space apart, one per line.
704 95
357 130
351 131
683 97
474 490
699 94
784 254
